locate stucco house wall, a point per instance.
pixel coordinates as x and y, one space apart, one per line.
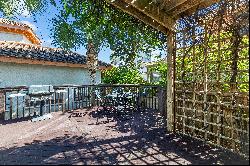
5 36
24 61
12 74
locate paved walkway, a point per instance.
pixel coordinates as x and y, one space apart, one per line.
80 139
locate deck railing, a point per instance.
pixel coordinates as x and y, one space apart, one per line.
15 102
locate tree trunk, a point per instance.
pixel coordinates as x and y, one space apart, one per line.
92 63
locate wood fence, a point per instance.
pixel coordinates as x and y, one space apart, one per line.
73 97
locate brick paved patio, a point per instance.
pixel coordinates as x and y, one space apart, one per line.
137 139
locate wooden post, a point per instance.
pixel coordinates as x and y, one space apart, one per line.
2 105
92 96
11 111
162 101
170 82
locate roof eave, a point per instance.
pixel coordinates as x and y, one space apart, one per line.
28 32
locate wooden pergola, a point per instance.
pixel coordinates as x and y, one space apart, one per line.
160 14
207 59
163 15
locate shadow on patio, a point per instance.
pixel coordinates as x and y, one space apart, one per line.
141 139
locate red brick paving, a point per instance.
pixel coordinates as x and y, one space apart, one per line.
141 139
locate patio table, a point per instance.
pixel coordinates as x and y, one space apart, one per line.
120 100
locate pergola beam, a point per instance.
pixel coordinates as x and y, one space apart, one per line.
168 6
149 9
138 14
152 11
190 4
160 14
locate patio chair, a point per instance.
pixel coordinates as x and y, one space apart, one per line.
141 102
121 106
132 98
102 103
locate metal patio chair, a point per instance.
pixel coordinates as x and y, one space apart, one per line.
104 103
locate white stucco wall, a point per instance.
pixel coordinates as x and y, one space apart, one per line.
23 74
5 36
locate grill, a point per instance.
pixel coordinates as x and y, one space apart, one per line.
38 95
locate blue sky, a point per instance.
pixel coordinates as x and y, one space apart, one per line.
41 24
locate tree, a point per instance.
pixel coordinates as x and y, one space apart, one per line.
122 75
83 20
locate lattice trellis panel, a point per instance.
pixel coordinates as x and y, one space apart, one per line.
212 75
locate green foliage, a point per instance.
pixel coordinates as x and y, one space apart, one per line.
161 68
35 6
8 7
122 75
13 8
67 35
218 61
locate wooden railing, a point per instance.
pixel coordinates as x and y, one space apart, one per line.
73 97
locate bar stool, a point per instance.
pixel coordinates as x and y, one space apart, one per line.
61 92
11 97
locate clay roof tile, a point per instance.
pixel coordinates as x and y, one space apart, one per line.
31 51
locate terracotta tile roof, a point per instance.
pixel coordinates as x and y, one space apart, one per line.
29 33
14 23
37 52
